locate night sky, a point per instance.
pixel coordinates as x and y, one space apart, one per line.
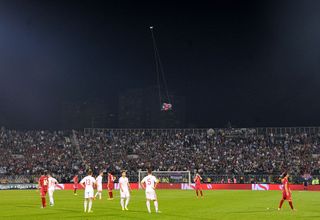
251 63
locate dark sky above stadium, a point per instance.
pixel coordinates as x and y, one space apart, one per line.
253 63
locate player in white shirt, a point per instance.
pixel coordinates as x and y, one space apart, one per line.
99 185
150 186
88 183
51 187
124 190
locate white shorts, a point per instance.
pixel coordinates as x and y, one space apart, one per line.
99 187
88 193
124 194
50 192
151 195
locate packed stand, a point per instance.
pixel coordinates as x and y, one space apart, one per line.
224 151
218 152
25 153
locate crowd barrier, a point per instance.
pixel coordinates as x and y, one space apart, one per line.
13 186
186 186
182 186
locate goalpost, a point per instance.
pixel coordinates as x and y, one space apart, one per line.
168 176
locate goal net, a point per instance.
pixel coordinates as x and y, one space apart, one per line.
168 176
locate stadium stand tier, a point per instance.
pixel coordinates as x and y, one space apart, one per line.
213 152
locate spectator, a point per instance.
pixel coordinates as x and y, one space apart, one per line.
226 151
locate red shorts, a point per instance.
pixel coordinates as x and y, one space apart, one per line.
75 186
110 187
198 187
285 197
43 192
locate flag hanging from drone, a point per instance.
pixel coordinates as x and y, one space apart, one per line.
164 98
166 107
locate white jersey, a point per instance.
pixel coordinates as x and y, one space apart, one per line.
150 181
124 182
99 183
99 180
88 181
52 183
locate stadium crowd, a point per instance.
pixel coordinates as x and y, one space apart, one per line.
26 153
210 152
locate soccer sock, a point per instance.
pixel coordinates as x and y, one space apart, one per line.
122 203
85 205
201 193
43 200
197 193
110 195
148 206
156 205
281 202
90 205
100 195
291 205
74 191
51 200
96 194
127 202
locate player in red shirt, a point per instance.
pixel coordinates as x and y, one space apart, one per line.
75 181
197 180
43 187
111 180
286 192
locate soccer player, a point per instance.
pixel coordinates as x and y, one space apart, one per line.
43 187
150 186
99 185
286 192
197 180
124 191
52 184
88 183
75 181
111 179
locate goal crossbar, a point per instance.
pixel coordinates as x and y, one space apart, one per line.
168 176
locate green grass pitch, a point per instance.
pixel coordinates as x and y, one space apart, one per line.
174 204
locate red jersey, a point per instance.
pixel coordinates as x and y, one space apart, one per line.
43 183
197 180
75 179
110 179
284 183
286 194
110 182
